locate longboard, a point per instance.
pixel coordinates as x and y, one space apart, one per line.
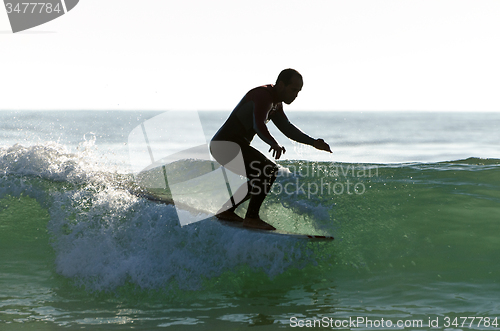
231 223
279 232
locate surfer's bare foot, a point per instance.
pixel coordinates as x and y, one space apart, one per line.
229 216
257 223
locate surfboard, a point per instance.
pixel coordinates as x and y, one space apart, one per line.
278 232
158 198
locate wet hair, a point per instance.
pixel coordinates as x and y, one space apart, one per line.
286 75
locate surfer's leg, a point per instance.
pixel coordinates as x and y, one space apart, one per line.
227 212
260 189
262 174
231 204
225 152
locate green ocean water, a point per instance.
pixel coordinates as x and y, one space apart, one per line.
412 200
413 242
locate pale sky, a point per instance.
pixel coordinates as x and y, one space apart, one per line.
205 55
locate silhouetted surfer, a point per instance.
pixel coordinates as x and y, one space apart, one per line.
250 116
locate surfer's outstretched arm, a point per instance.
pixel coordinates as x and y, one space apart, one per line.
322 145
294 133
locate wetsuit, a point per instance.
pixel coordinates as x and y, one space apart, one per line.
249 118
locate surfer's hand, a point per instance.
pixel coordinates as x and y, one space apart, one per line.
321 145
277 150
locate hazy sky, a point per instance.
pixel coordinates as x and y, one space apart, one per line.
204 55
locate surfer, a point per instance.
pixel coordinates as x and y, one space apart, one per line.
249 118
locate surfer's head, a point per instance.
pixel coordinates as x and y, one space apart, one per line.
288 85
